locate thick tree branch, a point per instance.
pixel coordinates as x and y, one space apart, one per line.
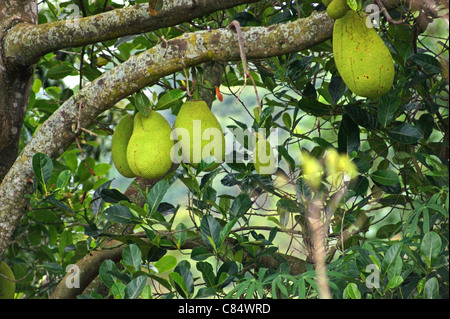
26 42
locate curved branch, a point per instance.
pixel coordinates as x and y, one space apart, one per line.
26 42
56 134
90 264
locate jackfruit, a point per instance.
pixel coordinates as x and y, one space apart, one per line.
264 159
119 145
326 3
362 59
7 287
337 9
148 151
199 134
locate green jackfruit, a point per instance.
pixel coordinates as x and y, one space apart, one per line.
337 9
119 146
7 287
326 2
205 137
362 59
149 147
264 159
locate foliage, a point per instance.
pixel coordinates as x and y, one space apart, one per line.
234 233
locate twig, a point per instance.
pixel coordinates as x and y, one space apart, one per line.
235 24
388 16
318 247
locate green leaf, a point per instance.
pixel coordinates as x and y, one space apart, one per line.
240 206
200 253
394 282
226 230
135 287
120 214
313 107
132 257
430 247
405 133
57 203
142 103
165 263
156 195
63 179
178 283
210 230
386 109
207 273
42 167
385 177
361 116
353 4
113 196
60 71
302 190
427 62
180 235
431 288
336 88
105 270
168 99
348 135
390 256
351 292
186 274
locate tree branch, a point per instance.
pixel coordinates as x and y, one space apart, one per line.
26 42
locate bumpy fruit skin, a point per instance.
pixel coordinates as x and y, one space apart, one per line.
337 9
148 151
362 59
119 146
264 159
7 287
199 111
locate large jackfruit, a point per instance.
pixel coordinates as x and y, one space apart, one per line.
199 134
362 59
149 147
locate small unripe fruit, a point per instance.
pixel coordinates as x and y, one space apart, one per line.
119 145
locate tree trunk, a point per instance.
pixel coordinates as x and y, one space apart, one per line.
15 83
